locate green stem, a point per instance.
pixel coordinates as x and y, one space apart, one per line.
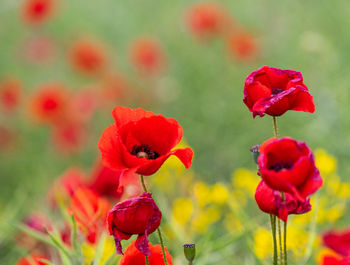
162 245
143 183
158 230
147 262
273 229
280 241
285 243
275 130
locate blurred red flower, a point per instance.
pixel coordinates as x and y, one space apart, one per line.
147 56
338 241
274 91
134 257
242 45
36 12
10 94
207 19
114 88
88 56
288 165
90 211
105 182
334 260
270 201
33 259
136 216
49 103
68 137
141 141
83 104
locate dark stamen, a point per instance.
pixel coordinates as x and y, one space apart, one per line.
144 151
280 166
275 91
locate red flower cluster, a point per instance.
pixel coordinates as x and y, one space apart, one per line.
147 56
141 141
136 216
88 57
10 94
339 242
134 257
36 12
274 91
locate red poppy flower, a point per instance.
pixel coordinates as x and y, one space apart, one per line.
206 20
105 181
141 141
37 11
90 212
33 259
68 137
270 201
136 216
147 56
10 94
88 56
242 45
134 257
49 103
274 91
334 260
338 242
288 165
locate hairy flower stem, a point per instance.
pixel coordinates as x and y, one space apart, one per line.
273 229
285 242
275 130
158 230
280 242
147 262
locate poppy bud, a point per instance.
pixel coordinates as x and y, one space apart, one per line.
190 252
255 152
136 216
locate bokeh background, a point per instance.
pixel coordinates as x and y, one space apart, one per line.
199 81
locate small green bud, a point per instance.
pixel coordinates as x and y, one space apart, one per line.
255 152
190 252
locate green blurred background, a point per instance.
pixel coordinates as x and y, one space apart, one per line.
202 87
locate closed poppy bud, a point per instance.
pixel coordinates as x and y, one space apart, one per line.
190 252
274 91
134 257
141 142
136 216
338 241
255 152
270 201
288 165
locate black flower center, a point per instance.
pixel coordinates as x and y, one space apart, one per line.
275 91
280 166
144 151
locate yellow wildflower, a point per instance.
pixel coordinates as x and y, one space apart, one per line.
182 210
326 163
263 246
202 193
205 219
245 179
219 194
233 224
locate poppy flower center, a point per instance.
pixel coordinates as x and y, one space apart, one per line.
283 165
144 151
275 91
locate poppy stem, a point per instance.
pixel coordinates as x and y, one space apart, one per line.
143 184
162 245
147 262
285 243
273 229
275 130
280 242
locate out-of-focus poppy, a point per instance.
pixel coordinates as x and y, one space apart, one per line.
33 259
242 45
36 12
10 94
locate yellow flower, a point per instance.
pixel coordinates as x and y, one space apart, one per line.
245 179
202 193
219 194
326 163
205 219
335 212
182 210
89 251
297 240
263 246
233 224
343 192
